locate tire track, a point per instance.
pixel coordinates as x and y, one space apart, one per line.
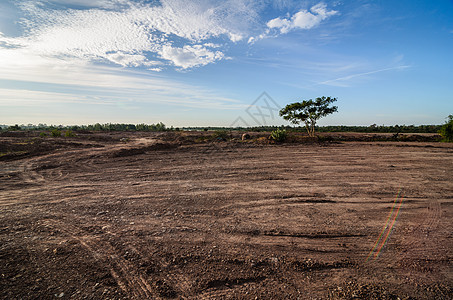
52 166
128 277
420 247
29 173
423 232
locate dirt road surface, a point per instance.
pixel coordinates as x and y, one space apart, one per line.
142 217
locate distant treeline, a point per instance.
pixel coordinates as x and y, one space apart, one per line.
338 128
382 129
95 127
161 127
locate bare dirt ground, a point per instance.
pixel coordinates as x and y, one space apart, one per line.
173 215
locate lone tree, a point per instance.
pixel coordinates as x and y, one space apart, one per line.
308 111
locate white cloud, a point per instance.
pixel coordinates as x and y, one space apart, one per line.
190 56
108 4
210 45
134 33
128 36
130 33
156 69
303 19
23 97
79 77
134 60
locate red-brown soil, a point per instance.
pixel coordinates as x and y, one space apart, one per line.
176 215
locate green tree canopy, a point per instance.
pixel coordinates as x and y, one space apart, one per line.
309 112
447 129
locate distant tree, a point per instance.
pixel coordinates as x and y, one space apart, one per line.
309 112
14 127
446 131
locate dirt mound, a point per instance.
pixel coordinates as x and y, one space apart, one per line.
124 152
18 148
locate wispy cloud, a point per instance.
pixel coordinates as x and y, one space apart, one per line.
138 34
78 45
107 4
79 77
184 34
342 81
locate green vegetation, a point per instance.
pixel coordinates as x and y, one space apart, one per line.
381 129
279 135
161 127
95 127
446 131
15 153
220 135
337 128
69 133
123 127
55 133
14 128
43 134
309 112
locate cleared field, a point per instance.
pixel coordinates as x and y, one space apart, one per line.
156 218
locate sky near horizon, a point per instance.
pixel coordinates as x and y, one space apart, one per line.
224 63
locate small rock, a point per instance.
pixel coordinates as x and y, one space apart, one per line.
245 136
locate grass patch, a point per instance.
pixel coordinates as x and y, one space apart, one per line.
12 154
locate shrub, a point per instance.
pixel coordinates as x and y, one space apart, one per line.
323 138
220 135
69 133
43 134
446 130
279 135
55 133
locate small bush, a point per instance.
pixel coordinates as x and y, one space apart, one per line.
279 135
220 135
55 133
324 138
43 134
447 130
69 133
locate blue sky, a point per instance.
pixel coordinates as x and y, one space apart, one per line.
206 63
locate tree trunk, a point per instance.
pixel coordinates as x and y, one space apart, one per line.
308 128
312 128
